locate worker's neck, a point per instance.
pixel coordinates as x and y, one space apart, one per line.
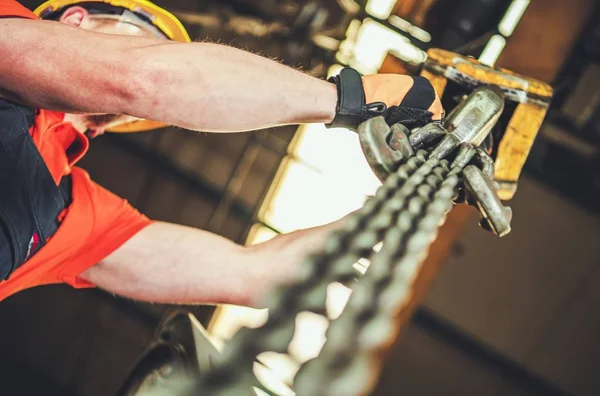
78 121
81 123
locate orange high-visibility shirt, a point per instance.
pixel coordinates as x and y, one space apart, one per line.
95 224
10 8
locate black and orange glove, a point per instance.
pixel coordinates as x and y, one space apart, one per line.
408 100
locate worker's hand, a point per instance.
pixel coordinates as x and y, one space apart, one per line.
412 101
408 100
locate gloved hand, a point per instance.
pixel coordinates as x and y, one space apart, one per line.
408 100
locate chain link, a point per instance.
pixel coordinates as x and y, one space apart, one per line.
349 361
404 214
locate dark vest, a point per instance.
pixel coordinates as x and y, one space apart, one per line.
30 202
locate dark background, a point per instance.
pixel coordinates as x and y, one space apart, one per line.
520 316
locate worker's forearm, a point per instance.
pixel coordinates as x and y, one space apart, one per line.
174 264
54 66
213 87
201 86
169 263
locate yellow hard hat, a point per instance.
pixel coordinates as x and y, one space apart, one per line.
160 18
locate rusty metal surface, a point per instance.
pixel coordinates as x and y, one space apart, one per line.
495 216
384 148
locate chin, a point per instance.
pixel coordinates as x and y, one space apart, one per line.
103 121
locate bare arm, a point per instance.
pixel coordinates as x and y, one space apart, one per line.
170 263
199 86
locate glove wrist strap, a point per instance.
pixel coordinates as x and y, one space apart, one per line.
351 107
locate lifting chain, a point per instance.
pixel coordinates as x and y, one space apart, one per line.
423 173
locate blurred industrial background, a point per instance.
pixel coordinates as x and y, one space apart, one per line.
516 316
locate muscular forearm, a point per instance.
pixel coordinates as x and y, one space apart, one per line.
54 66
169 263
212 87
201 86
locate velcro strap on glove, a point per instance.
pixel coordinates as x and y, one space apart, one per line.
412 112
352 108
408 116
